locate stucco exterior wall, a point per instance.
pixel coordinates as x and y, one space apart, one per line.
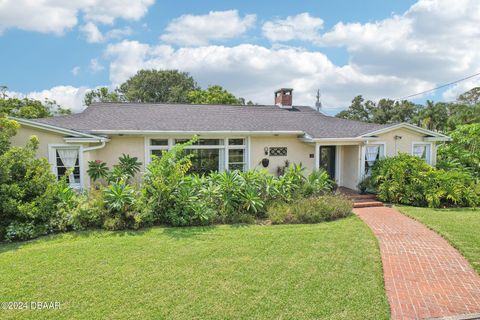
408 137
297 152
131 145
349 166
45 138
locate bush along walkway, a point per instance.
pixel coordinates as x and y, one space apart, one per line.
425 277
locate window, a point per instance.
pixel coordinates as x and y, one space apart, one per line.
373 152
422 150
278 151
65 159
208 155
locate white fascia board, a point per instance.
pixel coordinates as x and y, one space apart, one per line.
344 140
177 132
437 139
56 129
85 140
407 126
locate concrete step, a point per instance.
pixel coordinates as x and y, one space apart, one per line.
367 203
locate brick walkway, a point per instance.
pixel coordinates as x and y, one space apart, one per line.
425 277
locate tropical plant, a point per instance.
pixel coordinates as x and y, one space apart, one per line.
97 170
410 180
463 151
129 165
318 183
162 178
119 196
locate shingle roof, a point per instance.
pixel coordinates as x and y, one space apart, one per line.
202 118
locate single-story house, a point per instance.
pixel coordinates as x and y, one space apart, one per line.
230 137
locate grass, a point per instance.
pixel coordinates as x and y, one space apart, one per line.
460 227
324 271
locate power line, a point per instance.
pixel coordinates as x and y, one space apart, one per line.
440 87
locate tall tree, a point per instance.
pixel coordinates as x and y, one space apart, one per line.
472 96
433 116
359 110
102 94
158 86
213 95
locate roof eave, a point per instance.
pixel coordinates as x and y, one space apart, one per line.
56 129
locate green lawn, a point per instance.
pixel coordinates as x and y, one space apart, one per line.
330 270
461 227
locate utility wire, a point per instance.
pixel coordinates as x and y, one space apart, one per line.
440 87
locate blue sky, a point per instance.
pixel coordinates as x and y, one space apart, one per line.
376 48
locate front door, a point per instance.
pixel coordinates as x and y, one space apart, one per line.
327 160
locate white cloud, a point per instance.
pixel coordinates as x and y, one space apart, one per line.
453 92
76 70
95 66
66 96
435 40
51 16
302 26
254 72
94 35
195 30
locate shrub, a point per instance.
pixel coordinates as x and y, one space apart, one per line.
463 151
28 194
407 179
311 210
90 211
162 178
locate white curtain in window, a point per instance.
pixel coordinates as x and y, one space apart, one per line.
69 158
419 150
371 155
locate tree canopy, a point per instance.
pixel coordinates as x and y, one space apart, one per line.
163 86
158 86
29 108
102 94
213 95
439 116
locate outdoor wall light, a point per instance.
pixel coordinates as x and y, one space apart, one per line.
265 150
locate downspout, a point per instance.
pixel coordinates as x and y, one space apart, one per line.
102 145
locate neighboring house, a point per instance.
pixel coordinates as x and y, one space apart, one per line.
231 137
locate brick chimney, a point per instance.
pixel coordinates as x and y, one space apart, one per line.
284 98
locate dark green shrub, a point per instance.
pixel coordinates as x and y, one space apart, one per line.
28 194
407 179
311 210
90 211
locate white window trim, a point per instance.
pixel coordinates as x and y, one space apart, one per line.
363 154
430 152
52 159
225 146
